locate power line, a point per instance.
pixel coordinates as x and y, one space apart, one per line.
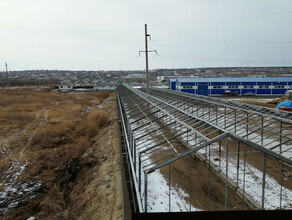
224 60
227 42
224 19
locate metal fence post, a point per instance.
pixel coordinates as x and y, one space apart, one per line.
226 180
238 157
145 189
264 181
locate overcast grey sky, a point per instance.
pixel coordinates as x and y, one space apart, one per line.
108 34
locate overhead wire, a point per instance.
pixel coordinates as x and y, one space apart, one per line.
226 42
225 60
163 41
223 19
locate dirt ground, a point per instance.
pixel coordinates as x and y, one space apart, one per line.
60 155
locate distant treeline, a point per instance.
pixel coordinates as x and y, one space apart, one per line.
19 82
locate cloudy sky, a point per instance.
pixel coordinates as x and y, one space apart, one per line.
108 34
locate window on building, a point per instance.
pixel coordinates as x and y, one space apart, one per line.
217 87
187 87
279 87
233 87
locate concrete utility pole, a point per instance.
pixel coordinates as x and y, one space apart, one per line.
7 77
147 51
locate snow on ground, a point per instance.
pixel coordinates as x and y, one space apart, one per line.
252 183
14 192
263 100
158 195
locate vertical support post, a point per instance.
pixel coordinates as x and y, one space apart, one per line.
139 172
197 111
264 181
225 117
190 182
206 148
128 127
226 177
216 115
281 130
169 201
209 111
281 189
238 158
146 55
145 190
235 117
247 125
209 179
135 154
131 143
262 132
243 184
220 149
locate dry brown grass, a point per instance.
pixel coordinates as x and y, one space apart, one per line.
62 133
81 146
95 120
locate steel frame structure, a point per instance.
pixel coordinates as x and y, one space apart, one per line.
165 126
253 123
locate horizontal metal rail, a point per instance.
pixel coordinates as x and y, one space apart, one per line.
131 162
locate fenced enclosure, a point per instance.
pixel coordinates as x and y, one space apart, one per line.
192 153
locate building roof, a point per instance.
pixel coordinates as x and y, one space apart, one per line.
237 79
66 84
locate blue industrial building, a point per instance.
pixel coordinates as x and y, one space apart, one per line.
241 85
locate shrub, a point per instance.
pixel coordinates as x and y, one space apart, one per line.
95 120
82 145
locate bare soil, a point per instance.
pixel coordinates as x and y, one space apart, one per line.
56 161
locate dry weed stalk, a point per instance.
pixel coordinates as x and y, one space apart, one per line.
95 120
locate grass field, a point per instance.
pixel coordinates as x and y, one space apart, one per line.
45 137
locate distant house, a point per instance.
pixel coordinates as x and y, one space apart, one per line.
66 86
105 87
80 83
